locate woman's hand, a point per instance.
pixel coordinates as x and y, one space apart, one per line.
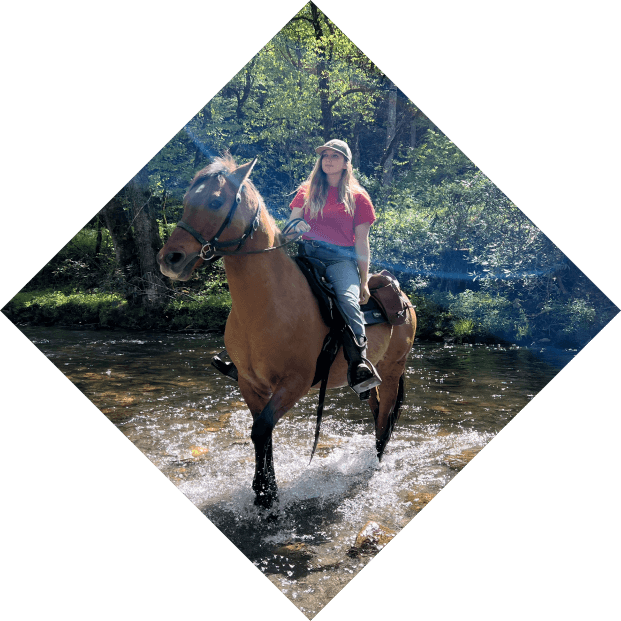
295 228
365 294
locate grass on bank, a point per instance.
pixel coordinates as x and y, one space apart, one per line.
112 310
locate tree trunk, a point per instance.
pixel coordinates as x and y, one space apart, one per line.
355 148
118 225
147 237
323 76
136 242
99 238
391 128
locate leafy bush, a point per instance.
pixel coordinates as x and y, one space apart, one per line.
573 322
491 312
56 307
463 328
110 310
479 315
83 263
208 313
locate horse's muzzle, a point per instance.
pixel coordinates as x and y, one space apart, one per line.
177 265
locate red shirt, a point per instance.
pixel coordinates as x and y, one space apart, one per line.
335 226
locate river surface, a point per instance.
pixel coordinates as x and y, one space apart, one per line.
191 422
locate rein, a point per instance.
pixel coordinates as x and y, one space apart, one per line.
212 248
290 225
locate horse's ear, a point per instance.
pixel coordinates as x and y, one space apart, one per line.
242 173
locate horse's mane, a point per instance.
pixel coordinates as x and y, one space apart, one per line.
222 165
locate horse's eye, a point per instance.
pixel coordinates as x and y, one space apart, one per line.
216 204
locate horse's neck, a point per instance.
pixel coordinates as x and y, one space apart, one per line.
256 279
272 303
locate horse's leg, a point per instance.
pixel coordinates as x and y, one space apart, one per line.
264 483
374 404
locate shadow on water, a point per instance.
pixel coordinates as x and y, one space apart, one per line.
268 536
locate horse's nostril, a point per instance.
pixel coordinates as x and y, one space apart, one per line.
174 258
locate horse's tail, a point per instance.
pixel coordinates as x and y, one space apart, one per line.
380 443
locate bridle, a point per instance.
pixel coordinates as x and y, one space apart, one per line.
211 249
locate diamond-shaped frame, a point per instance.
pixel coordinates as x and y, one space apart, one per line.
597 376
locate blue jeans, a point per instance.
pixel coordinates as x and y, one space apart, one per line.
342 273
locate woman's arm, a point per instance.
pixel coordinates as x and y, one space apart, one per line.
296 212
363 254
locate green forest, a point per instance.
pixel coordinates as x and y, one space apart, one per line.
475 267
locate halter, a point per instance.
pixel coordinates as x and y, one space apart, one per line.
210 248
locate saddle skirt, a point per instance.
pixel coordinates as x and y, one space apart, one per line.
387 294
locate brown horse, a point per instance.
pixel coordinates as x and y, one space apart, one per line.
275 331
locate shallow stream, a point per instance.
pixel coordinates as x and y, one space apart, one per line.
191 422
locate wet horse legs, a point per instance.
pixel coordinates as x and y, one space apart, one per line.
264 483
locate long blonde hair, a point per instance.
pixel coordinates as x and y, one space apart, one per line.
317 187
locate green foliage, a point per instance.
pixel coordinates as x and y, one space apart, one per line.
475 265
209 313
110 310
436 160
491 313
80 264
463 328
73 309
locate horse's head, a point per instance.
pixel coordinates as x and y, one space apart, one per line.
217 215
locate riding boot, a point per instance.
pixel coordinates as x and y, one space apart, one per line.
361 374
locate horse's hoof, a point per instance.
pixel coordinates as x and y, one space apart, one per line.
380 445
264 500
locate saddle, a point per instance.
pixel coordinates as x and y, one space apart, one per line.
387 295
387 304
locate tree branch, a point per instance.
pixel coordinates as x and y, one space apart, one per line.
361 89
407 117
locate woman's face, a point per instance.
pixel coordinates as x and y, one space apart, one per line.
333 162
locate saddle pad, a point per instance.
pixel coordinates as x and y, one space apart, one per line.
372 313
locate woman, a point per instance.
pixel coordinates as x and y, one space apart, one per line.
335 213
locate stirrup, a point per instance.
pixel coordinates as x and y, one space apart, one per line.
365 386
226 368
